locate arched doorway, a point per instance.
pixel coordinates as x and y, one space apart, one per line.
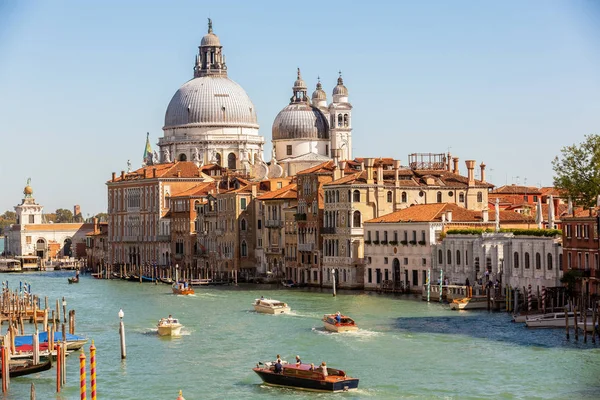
218 158
182 157
231 161
397 276
68 247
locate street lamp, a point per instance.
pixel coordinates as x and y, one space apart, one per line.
333 276
121 313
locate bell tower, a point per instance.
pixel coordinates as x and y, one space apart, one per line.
340 121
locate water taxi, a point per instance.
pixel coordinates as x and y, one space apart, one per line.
469 303
345 323
169 327
555 320
10 265
306 377
270 306
181 289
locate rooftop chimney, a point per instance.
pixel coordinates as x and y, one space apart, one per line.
154 172
448 161
342 168
380 174
396 170
455 168
369 167
145 173
122 174
449 216
471 171
482 166
113 176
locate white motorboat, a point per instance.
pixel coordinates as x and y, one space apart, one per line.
555 320
469 303
169 327
10 265
270 306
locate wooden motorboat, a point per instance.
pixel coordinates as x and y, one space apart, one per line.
289 283
304 378
469 303
181 289
168 281
556 320
345 323
169 327
270 306
74 280
28 367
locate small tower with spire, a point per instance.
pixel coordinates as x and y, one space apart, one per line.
28 212
210 59
340 120
299 90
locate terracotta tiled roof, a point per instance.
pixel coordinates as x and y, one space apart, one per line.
433 213
201 189
514 189
59 227
551 190
286 192
185 169
326 167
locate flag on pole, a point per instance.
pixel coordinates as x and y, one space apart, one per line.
148 151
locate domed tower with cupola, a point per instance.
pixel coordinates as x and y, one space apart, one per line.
211 119
301 131
340 120
28 212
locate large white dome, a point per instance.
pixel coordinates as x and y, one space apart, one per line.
209 101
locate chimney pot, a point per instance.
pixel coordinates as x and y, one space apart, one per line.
122 174
114 175
449 216
482 166
455 168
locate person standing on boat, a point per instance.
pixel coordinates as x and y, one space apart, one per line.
298 362
338 317
324 369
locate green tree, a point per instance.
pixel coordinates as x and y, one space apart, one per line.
7 219
577 171
64 215
102 217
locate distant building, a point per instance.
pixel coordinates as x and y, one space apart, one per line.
581 252
31 236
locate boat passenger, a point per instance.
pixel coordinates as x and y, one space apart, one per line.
170 319
338 317
312 367
324 369
262 297
298 362
278 367
278 359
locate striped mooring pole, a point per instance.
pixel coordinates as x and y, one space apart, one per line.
93 370
544 299
82 385
529 297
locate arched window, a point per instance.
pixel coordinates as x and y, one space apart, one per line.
356 219
479 197
449 260
404 197
439 197
461 197
389 197
346 120
218 157
243 224
337 196
182 157
516 262
356 196
339 119
457 257
440 257
244 249
231 161
549 261
538 261
527 261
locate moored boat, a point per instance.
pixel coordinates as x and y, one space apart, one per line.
73 280
270 306
74 342
28 367
169 327
469 303
10 265
304 377
342 324
181 289
556 320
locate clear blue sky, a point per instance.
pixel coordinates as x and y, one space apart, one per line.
506 82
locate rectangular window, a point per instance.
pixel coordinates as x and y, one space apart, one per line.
243 203
28 239
424 276
387 275
288 149
424 261
596 261
587 261
405 260
31 219
535 199
369 275
369 236
378 275
414 236
385 260
327 150
315 276
569 261
415 277
568 230
259 224
396 237
316 260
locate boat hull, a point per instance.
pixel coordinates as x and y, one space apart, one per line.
294 382
471 303
173 330
271 310
339 328
183 292
20 370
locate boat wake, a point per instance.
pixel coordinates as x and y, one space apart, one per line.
360 334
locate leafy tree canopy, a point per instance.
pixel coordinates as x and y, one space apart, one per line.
64 215
577 171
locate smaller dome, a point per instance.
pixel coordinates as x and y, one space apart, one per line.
340 89
299 84
28 191
319 93
210 39
300 121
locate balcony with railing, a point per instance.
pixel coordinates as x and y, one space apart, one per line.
306 246
273 223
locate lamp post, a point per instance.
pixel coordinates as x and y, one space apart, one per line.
176 272
333 276
122 334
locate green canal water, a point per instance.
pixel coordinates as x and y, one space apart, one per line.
406 348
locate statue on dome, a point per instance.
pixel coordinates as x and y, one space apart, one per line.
166 155
128 166
196 158
155 159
